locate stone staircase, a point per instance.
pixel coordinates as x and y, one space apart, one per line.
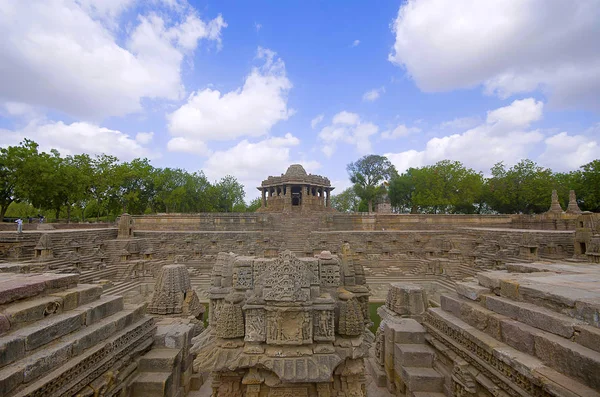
538 321
60 338
413 360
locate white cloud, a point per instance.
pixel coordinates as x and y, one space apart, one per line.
144 138
509 46
347 118
566 152
504 136
77 138
355 43
68 58
373 94
251 162
316 121
400 131
194 146
257 26
250 110
347 127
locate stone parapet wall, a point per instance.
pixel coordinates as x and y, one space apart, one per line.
12 227
357 221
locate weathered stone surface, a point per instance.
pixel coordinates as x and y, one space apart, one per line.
406 299
471 290
301 320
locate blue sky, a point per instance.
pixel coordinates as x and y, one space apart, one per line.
247 88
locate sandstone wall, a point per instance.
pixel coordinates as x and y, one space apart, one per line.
359 221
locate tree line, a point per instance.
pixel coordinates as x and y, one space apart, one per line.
448 187
103 187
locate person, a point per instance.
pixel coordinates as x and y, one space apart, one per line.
19 223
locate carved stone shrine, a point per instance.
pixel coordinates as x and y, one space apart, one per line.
286 326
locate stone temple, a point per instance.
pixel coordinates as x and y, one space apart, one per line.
299 300
295 191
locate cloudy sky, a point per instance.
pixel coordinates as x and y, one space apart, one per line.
247 88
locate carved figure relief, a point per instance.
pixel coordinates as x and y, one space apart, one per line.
255 325
324 325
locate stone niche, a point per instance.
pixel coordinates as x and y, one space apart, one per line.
286 326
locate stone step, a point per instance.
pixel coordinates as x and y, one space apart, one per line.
15 345
561 354
37 308
47 358
422 379
557 292
80 370
413 355
428 394
155 384
14 287
160 360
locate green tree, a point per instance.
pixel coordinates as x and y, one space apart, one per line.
524 188
589 186
401 191
103 182
368 175
346 201
13 160
230 193
254 205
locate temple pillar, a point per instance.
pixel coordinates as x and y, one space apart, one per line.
263 193
327 197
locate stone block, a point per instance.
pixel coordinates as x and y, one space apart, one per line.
414 355
422 379
94 334
40 364
160 360
518 335
10 378
587 336
406 299
12 348
450 304
535 316
105 306
569 358
4 324
152 384
33 310
57 281
15 289
471 290
406 331
45 331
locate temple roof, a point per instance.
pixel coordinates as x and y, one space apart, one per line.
296 174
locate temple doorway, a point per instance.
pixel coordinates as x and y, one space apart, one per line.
296 195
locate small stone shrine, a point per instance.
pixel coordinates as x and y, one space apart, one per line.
295 191
286 326
173 294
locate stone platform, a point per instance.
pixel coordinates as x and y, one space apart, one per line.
60 338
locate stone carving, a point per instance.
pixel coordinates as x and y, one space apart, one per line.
287 318
173 294
230 321
351 318
573 208
287 279
555 207
255 325
125 227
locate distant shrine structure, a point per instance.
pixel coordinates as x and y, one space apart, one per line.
295 191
